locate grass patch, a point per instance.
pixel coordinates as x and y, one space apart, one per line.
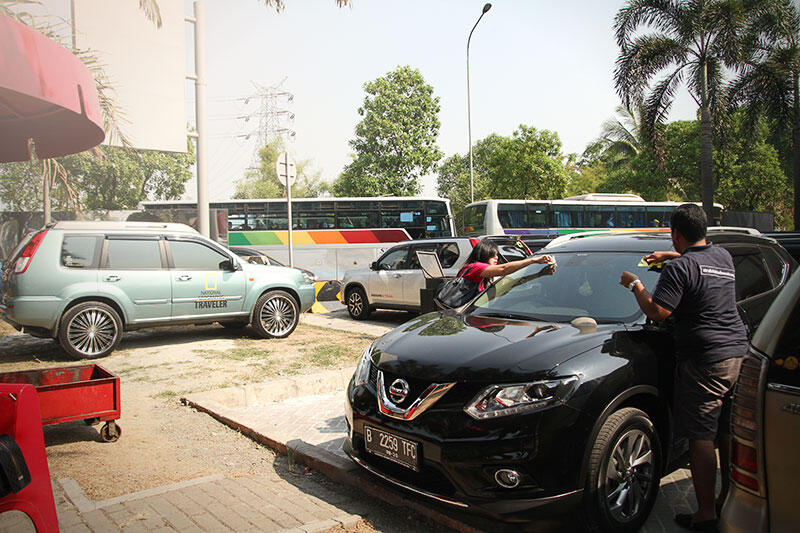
235 354
327 354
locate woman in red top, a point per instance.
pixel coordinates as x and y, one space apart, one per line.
482 263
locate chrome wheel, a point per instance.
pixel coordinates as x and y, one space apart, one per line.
355 303
629 475
92 331
278 315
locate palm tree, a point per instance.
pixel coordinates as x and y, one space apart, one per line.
768 79
622 137
690 42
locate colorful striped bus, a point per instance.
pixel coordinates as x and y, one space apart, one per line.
329 235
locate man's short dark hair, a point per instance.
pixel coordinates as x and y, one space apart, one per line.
690 220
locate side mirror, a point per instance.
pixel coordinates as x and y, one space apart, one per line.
373 265
227 265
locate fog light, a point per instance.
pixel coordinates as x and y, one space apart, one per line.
507 479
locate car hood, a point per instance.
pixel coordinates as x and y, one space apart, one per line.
268 270
447 346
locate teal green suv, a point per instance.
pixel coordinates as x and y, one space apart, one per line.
85 283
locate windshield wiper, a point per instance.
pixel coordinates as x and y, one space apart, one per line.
503 314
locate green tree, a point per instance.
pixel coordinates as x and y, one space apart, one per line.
691 41
768 82
395 141
108 178
262 181
529 164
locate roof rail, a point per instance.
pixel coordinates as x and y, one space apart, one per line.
605 196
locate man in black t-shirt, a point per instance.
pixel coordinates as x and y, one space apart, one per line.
698 287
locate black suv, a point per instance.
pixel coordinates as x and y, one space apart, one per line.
550 392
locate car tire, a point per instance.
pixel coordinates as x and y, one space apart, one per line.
90 330
275 315
357 304
621 488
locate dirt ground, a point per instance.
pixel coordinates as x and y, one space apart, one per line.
162 441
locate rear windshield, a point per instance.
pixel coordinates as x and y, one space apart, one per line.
581 284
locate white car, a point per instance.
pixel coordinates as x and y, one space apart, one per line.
395 279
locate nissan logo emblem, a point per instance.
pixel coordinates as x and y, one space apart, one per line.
398 390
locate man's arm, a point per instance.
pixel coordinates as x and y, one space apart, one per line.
645 300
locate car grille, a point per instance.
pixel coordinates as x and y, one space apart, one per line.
415 387
373 376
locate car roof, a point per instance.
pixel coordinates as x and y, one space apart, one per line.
88 225
643 242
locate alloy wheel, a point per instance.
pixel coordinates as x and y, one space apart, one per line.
629 475
355 303
278 315
92 331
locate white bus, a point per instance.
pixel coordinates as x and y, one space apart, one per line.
587 212
329 235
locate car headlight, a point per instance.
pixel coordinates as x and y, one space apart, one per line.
504 400
310 278
362 370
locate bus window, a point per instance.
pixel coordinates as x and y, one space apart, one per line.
275 221
311 220
347 219
436 208
600 216
512 215
474 219
537 216
568 216
658 216
402 219
630 216
436 226
237 222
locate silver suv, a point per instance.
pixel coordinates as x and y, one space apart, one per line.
395 279
765 424
85 283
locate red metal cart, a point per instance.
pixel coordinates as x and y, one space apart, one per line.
86 392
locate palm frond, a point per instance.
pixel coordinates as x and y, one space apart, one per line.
658 14
643 58
151 11
279 5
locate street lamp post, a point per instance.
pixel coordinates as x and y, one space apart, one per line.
486 8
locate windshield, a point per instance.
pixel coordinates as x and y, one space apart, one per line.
581 284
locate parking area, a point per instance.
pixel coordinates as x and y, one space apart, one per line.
171 448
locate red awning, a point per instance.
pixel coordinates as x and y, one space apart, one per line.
46 94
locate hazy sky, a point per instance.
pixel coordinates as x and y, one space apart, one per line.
536 62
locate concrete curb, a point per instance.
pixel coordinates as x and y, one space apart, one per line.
344 471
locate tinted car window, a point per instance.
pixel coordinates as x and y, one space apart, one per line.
413 260
448 254
751 273
133 254
581 284
775 264
80 251
394 260
188 255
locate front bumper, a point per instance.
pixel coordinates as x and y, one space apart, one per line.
307 295
459 457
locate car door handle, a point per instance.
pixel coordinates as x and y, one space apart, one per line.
184 277
112 278
396 275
